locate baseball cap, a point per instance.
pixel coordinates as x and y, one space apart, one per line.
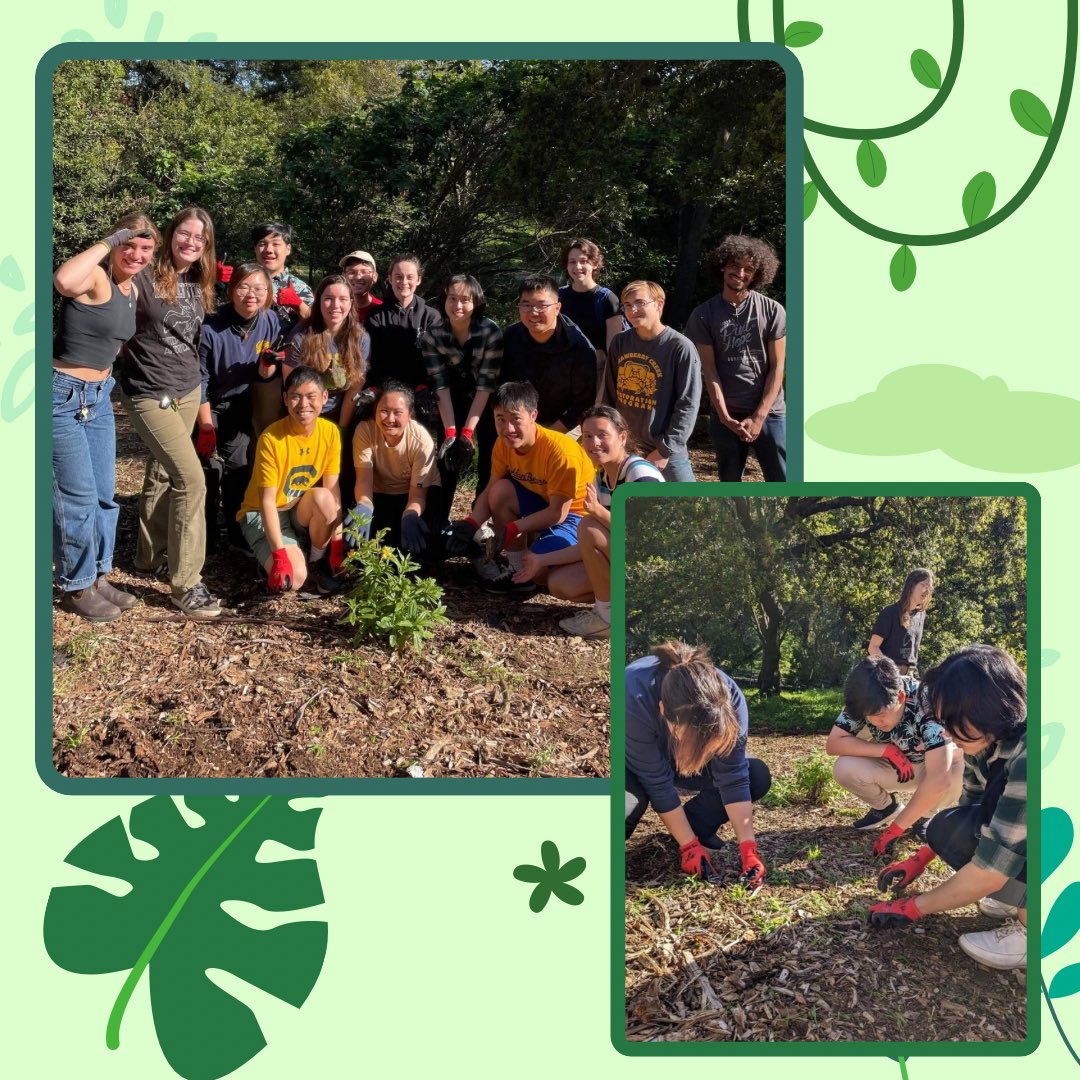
357 256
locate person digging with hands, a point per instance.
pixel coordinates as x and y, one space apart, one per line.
686 727
293 493
886 744
979 695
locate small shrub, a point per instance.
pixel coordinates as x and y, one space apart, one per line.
814 780
387 601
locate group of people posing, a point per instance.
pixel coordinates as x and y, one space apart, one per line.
309 419
953 745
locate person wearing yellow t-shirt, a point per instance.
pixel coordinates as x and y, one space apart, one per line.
285 501
536 490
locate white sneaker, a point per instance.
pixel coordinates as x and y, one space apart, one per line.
1004 947
995 909
586 624
488 569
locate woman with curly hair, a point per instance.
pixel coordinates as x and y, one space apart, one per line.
898 630
686 726
161 390
741 337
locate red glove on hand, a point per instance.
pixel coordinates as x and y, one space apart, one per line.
205 440
224 273
893 913
288 297
510 535
269 363
884 844
337 554
899 875
900 763
753 869
280 576
695 860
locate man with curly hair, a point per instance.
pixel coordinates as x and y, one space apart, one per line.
741 337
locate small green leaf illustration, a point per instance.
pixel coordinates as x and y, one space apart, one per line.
871 163
1057 838
153 26
76 35
902 268
809 199
1030 113
799 34
978 199
205 35
551 878
1050 656
116 12
24 324
925 68
1053 735
1065 982
11 275
171 922
1063 920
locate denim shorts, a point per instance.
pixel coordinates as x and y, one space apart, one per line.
292 532
556 537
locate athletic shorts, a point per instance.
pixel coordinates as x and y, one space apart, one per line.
292 532
557 537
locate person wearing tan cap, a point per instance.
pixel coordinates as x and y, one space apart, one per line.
359 270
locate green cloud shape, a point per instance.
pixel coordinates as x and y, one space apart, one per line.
976 421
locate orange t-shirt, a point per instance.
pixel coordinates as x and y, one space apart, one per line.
555 467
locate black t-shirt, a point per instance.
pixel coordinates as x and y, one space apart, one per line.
899 645
581 308
395 334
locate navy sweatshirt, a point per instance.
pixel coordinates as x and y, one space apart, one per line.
227 359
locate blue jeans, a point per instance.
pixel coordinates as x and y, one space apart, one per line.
770 447
678 468
84 480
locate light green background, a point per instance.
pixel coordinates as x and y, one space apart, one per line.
435 962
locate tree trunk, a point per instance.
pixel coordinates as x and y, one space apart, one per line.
771 636
693 221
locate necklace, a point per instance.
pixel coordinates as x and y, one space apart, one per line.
244 328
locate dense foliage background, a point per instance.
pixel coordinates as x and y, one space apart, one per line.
485 167
788 588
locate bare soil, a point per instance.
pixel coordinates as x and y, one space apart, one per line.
797 961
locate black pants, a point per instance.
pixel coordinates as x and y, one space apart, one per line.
228 470
387 515
484 436
705 811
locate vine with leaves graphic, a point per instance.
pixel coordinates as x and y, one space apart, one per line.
980 194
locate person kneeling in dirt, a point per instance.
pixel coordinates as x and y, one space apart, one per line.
395 467
902 749
686 725
283 505
979 695
537 490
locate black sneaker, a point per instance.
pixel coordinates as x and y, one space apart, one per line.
505 585
919 829
874 819
197 603
321 581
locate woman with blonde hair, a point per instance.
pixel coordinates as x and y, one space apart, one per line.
686 727
898 630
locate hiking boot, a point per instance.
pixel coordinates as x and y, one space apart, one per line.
89 604
321 581
1004 947
123 600
586 624
995 909
198 603
875 819
505 585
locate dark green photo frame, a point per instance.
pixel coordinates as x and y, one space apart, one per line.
618 777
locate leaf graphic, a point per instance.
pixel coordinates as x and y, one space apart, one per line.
172 922
1057 838
799 34
1065 982
1053 735
1050 656
24 324
979 198
116 12
11 275
925 68
153 26
871 163
1030 113
809 199
902 268
1063 920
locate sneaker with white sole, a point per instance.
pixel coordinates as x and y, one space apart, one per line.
505 585
198 603
1004 947
875 819
586 624
488 569
995 909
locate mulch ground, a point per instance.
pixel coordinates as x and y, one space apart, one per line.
797 961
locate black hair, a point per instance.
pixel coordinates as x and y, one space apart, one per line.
608 413
978 690
303 374
758 253
516 395
476 291
873 684
539 283
270 228
395 386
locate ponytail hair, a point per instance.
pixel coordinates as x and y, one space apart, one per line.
916 577
697 705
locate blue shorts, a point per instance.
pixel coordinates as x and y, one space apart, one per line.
557 537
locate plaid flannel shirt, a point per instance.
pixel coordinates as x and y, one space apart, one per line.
442 352
1002 843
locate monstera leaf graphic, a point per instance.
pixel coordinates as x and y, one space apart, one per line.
171 924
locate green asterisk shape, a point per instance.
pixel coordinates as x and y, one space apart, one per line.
551 877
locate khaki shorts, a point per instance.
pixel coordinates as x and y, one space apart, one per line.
292 532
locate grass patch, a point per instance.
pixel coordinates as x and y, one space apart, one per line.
811 783
795 712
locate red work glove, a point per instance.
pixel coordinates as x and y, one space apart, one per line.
288 297
269 363
205 440
899 875
224 273
884 844
899 761
753 869
337 554
695 860
893 913
280 576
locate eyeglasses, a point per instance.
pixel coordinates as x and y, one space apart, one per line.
190 238
535 309
460 301
251 290
637 305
